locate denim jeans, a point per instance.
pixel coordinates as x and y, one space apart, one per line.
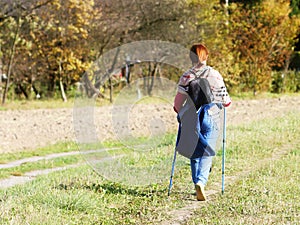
209 128
200 169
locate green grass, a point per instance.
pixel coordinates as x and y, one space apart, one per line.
49 104
59 147
77 196
58 103
260 139
265 191
270 195
117 148
39 165
36 104
42 151
79 102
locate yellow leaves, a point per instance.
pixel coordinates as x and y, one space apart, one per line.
70 66
84 33
278 8
56 4
32 35
262 35
72 29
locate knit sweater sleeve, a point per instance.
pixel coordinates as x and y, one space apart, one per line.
218 87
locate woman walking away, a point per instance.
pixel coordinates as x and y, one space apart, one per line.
198 104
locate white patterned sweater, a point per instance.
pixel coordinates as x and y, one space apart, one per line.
214 78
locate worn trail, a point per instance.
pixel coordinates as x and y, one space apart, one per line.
182 215
29 176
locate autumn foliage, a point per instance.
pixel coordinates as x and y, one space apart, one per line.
46 45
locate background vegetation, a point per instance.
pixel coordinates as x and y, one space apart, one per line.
46 45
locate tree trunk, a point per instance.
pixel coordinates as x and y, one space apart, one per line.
90 89
23 91
0 73
151 76
110 90
285 72
62 90
11 58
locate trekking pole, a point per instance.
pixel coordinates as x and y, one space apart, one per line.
172 172
223 152
174 160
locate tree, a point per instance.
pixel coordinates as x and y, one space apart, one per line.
59 39
295 5
208 23
12 15
295 61
264 35
125 21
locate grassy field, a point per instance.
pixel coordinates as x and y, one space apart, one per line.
269 195
262 185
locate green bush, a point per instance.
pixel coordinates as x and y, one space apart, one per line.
285 82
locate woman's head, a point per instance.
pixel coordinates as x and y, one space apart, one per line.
198 53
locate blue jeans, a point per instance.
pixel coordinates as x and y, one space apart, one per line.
200 169
209 129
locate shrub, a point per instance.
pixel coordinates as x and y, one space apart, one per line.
285 81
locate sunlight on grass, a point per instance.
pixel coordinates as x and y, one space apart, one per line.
270 195
42 151
80 196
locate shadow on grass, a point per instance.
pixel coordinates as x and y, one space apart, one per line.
117 189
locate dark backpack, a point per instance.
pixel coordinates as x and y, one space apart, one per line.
199 89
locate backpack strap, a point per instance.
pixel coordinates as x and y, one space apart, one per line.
197 74
201 72
199 89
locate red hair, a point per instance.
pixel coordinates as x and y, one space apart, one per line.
198 53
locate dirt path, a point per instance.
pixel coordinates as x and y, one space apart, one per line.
47 157
30 176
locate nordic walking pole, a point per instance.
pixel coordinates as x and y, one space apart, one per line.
174 160
223 152
172 172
